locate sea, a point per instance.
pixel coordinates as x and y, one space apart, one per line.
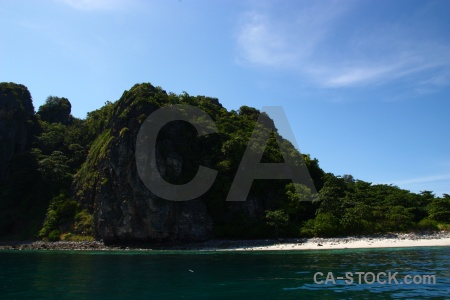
318 274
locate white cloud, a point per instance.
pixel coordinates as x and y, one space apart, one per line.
425 179
310 41
267 40
398 64
92 5
261 44
439 184
356 75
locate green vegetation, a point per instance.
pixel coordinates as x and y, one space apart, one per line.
349 207
48 190
34 196
56 110
277 220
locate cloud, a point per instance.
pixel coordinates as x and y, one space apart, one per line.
261 43
266 39
355 75
426 179
394 64
439 184
95 5
313 40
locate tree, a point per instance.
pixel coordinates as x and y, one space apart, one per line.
332 196
54 170
55 110
399 218
356 220
276 219
51 139
298 202
348 178
317 174
439 209
250 112
325 224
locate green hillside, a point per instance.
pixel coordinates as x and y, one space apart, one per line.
76 179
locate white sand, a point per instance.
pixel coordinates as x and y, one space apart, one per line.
356 244
441 238
352 243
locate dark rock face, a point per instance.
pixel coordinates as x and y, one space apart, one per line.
124 209
16 121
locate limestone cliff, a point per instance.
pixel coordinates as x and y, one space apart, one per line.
16 122
124 209
108 184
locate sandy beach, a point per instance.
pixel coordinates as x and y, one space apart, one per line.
353 242
406 240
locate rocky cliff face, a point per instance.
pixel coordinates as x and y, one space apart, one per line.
16 121
124 209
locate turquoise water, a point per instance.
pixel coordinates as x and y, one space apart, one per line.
219 275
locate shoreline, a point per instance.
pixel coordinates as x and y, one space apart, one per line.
394 240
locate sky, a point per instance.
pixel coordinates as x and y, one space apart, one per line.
365 85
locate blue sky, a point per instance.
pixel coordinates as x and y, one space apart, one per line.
365 84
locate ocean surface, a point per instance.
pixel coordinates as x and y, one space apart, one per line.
223 275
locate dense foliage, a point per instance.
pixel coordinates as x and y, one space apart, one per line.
46 192
56 110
